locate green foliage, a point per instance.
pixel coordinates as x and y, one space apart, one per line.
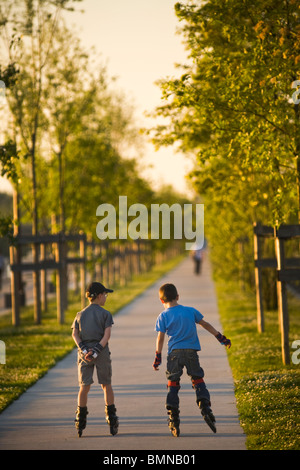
6 221
8 157
67 117
6 226
232 109
9 74
99 175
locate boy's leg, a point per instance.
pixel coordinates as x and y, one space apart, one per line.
172 398
82 412
110 409
109 398
173 373
172 406
104 373
203 401
196 373
85 377
202 394
83 395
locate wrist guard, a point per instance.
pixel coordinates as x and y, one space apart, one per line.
95 351
157 360
223 340
98 348
83 347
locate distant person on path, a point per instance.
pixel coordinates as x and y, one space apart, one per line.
91 333
197 255
179 323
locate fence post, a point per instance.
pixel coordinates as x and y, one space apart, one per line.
44 280
36 284
98 263
82 249
282 299
123 265
15 288
59 281
258 282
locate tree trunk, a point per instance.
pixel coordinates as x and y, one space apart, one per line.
35 246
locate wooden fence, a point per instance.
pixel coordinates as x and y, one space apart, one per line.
288 270
111 262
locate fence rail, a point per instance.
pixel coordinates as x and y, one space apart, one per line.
112 262
287 271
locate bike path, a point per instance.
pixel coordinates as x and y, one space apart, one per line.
43 417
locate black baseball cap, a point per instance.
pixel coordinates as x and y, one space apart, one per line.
96 288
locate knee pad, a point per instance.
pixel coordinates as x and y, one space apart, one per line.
172 395
202 394
174 383
196 381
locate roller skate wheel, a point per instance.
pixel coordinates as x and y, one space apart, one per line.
175 432
210 423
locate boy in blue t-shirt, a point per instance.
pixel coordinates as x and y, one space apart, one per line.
179 323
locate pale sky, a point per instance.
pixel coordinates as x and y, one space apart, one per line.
137 40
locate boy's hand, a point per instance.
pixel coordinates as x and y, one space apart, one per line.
223 340
83 348
157 361
93 353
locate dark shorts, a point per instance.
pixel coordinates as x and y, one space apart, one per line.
180 358
102 363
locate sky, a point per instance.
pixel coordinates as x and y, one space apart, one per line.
137 40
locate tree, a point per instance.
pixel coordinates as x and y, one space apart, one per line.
27 29
232 109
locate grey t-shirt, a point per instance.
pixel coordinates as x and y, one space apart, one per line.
91 323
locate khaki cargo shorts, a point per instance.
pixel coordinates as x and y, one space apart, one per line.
102 363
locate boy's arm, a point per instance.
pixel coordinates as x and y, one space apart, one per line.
106 337
96 350
207 326
159 346
160 342
78 342
221 338
76 337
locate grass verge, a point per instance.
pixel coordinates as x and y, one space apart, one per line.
267 391
31 350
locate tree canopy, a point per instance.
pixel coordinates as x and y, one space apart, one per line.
233 109
68 131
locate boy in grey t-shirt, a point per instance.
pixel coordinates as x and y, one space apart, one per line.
91 333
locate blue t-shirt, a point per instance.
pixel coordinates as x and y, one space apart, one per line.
179 323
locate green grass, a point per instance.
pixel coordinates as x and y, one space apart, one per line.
267 391
31 350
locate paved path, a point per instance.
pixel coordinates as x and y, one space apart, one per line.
43 417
